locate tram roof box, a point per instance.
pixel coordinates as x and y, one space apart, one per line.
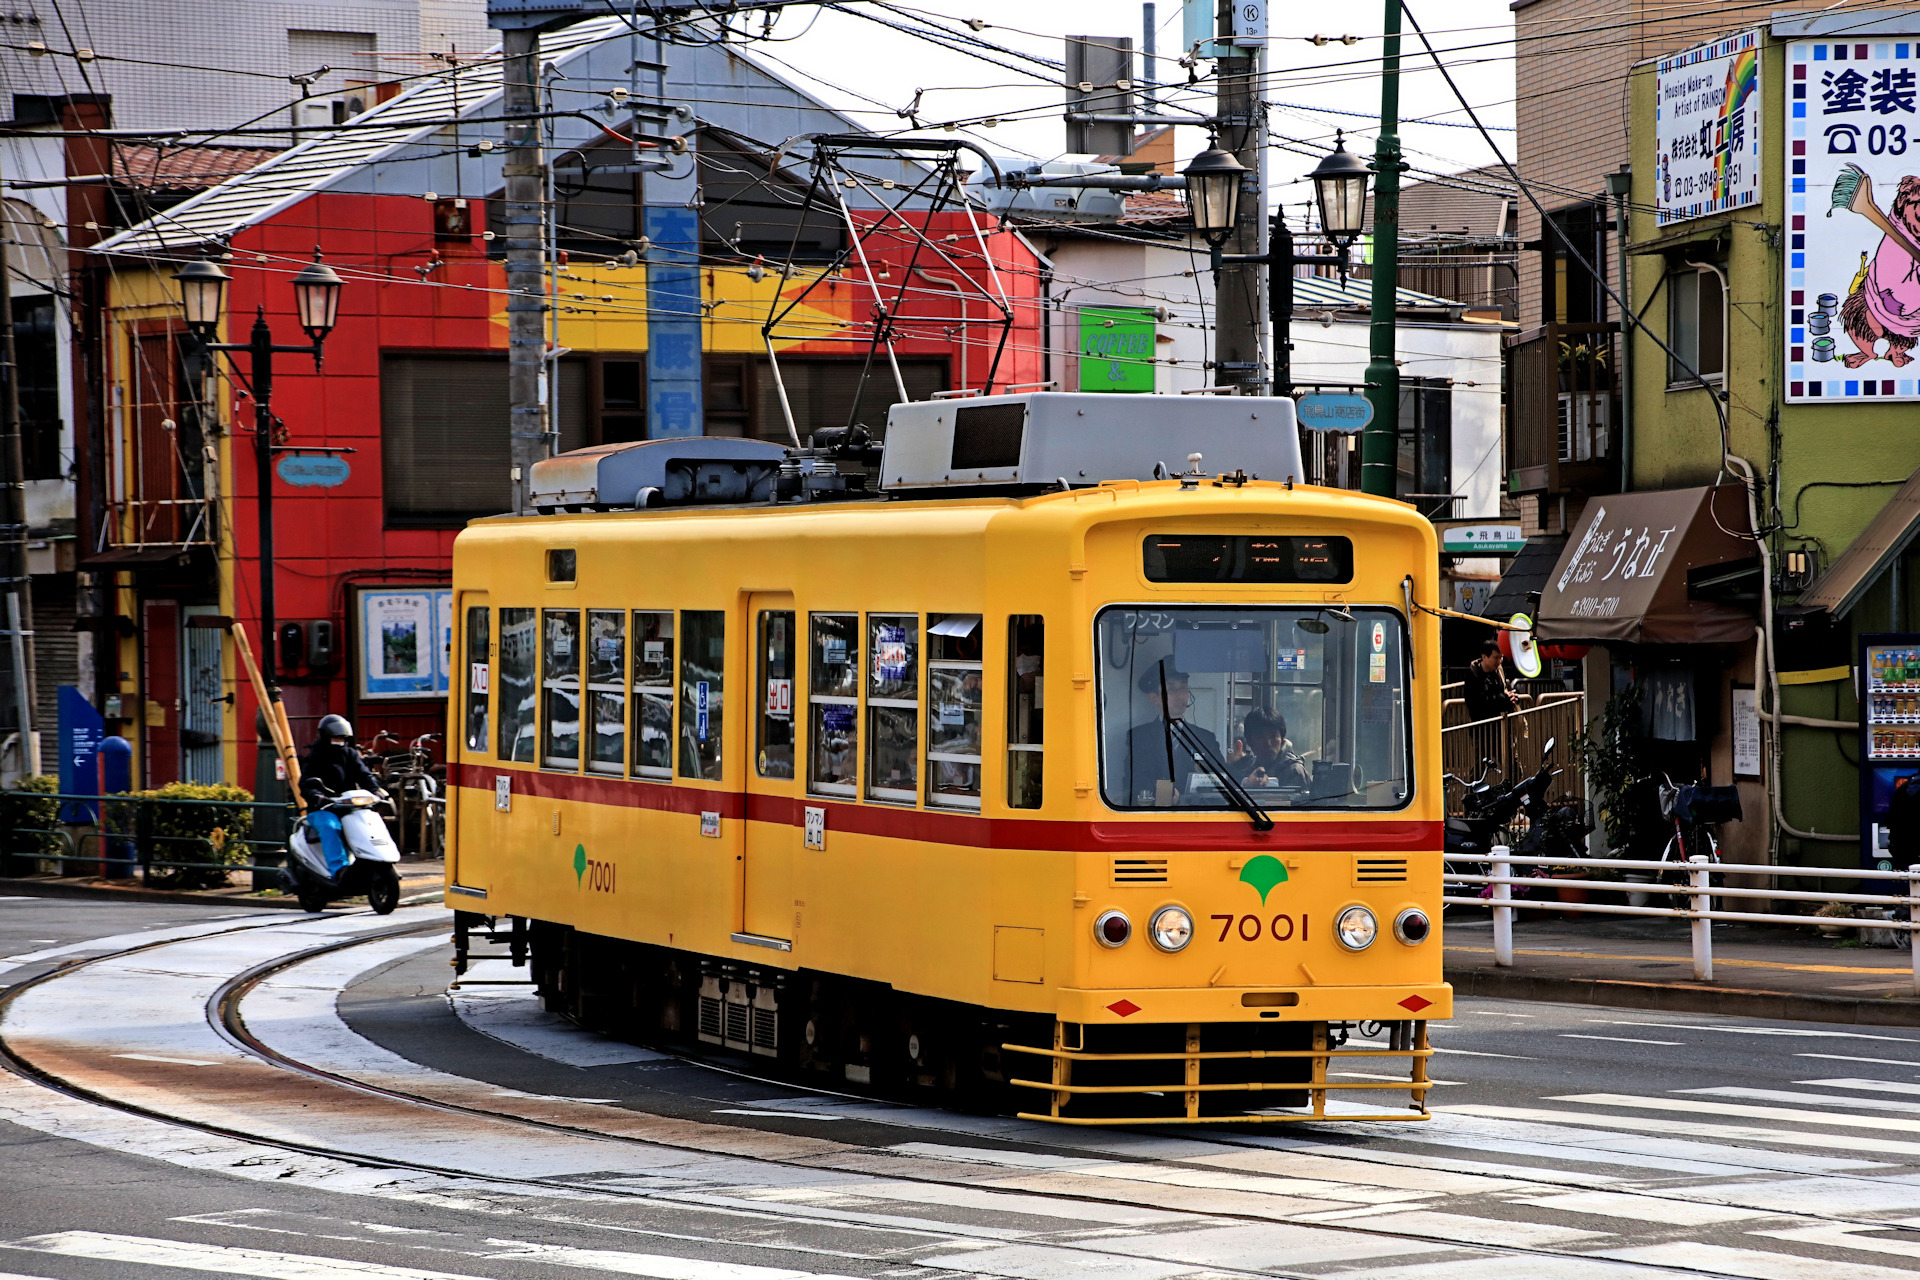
1040 438
654 473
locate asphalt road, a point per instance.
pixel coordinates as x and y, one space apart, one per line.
476 1137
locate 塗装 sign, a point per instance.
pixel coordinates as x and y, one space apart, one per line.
1853 208
1707 129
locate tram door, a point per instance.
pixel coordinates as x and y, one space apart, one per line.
773 832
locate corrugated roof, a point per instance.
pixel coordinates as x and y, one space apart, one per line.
1317 293
298 172
1879 544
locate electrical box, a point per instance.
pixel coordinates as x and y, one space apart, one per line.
291 641
322 651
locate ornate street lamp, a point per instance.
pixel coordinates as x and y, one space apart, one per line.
1214 178
316 298
1340 191
203 290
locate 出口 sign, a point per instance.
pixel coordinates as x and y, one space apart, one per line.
1853 214
1707 129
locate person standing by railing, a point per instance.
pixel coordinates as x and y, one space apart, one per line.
1487 692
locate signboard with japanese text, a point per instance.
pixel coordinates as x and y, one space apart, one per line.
1707 129
1117 348
1852 203
403 642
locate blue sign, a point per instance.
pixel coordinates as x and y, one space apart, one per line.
1325 411
700 703
314 471
81 730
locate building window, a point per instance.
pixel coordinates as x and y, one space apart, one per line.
479 668
619 385
954 674
653 695
444 447
1696 325
606 700
1026 702
36 358
560 690
893 707
833 704
703 651
518 662
1424 462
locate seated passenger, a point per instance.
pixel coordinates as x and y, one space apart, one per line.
1264 757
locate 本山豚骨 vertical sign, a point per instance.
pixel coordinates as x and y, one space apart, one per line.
1853 219
1116 348
1707 126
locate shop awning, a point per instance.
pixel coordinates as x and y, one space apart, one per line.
1879 544
1653 568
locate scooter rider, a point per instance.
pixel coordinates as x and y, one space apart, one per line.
331 767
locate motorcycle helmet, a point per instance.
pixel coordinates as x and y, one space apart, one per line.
335 727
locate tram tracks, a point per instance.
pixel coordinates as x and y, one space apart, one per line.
224 1014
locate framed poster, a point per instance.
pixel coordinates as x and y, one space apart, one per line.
404 637
1707 129
1853 220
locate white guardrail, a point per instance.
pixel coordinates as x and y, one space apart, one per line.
1699 907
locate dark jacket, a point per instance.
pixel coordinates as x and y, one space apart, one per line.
1143 760
334 767
1487 692
1285 769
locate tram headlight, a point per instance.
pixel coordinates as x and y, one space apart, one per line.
1412 926
1356 928
1171 928
1112 929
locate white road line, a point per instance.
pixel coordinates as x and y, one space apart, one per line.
1758 1031
1841 1057
1506 1268
742 1111
1573 1035
1646 1208
180 1062
1846 1235
1727 1132
659 1266
1494 1013
1751 1263
1460 1229
1474 1053
1791 1115
1882 1105
1368 1075
1874 1086
226 1259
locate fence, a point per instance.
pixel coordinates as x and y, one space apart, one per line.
1516 743
1696 888
129 832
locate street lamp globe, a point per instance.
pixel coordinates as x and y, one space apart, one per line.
316 298
203 288
1340 190
1213 179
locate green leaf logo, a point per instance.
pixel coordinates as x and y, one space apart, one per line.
580 866
1263 873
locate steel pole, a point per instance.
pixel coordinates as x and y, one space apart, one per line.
1378 443
1238 286
526 293
13 467
260 351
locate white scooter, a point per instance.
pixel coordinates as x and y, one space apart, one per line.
371 855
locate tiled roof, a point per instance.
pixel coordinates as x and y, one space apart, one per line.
137 164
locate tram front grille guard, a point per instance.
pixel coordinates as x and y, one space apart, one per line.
1409 1041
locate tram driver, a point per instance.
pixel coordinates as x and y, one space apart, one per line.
1155 770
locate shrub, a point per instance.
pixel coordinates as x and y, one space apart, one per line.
30 820
211 835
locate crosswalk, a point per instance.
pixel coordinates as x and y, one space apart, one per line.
1782 1156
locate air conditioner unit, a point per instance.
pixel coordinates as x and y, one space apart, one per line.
1586 423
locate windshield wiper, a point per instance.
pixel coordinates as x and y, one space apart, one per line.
1176 727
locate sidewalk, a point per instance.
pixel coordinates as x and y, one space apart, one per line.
420 881
1759 971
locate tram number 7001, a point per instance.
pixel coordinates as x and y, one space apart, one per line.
1250 928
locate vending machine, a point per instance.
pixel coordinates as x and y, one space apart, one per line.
1889 739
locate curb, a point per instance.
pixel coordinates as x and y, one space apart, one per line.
1680 997
99 892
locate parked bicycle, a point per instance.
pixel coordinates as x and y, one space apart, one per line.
1695 810
417 785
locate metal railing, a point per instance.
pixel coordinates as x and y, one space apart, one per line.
1516 742
1696 888
121 829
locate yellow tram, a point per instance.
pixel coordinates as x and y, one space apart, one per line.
1031 777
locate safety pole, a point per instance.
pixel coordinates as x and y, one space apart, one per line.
1502 911
1913 937
274 714
1702 927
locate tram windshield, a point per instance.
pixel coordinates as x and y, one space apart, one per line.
1306 708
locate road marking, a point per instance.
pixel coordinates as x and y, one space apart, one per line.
1725 1132
1758 1031
1368 1075
783 1115
1459 1229
1788 1095
659 1266
1751 1263
1494 1013
1788 1114
179 1062
1646 1208
1841 1057
1571 1035
1876 1086
1846 1235
1475 1053
226 1259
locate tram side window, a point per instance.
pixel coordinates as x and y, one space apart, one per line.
560 689
652 694
893 707
479 668
606 701
519 666
833 704
954 673
773 737
1026 685
703 649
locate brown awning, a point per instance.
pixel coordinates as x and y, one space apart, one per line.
1624 577
1846 579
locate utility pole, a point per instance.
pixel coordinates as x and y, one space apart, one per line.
1238 287
1379 438
525 173
18 618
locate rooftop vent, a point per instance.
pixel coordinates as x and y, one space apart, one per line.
1040 439
657 473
